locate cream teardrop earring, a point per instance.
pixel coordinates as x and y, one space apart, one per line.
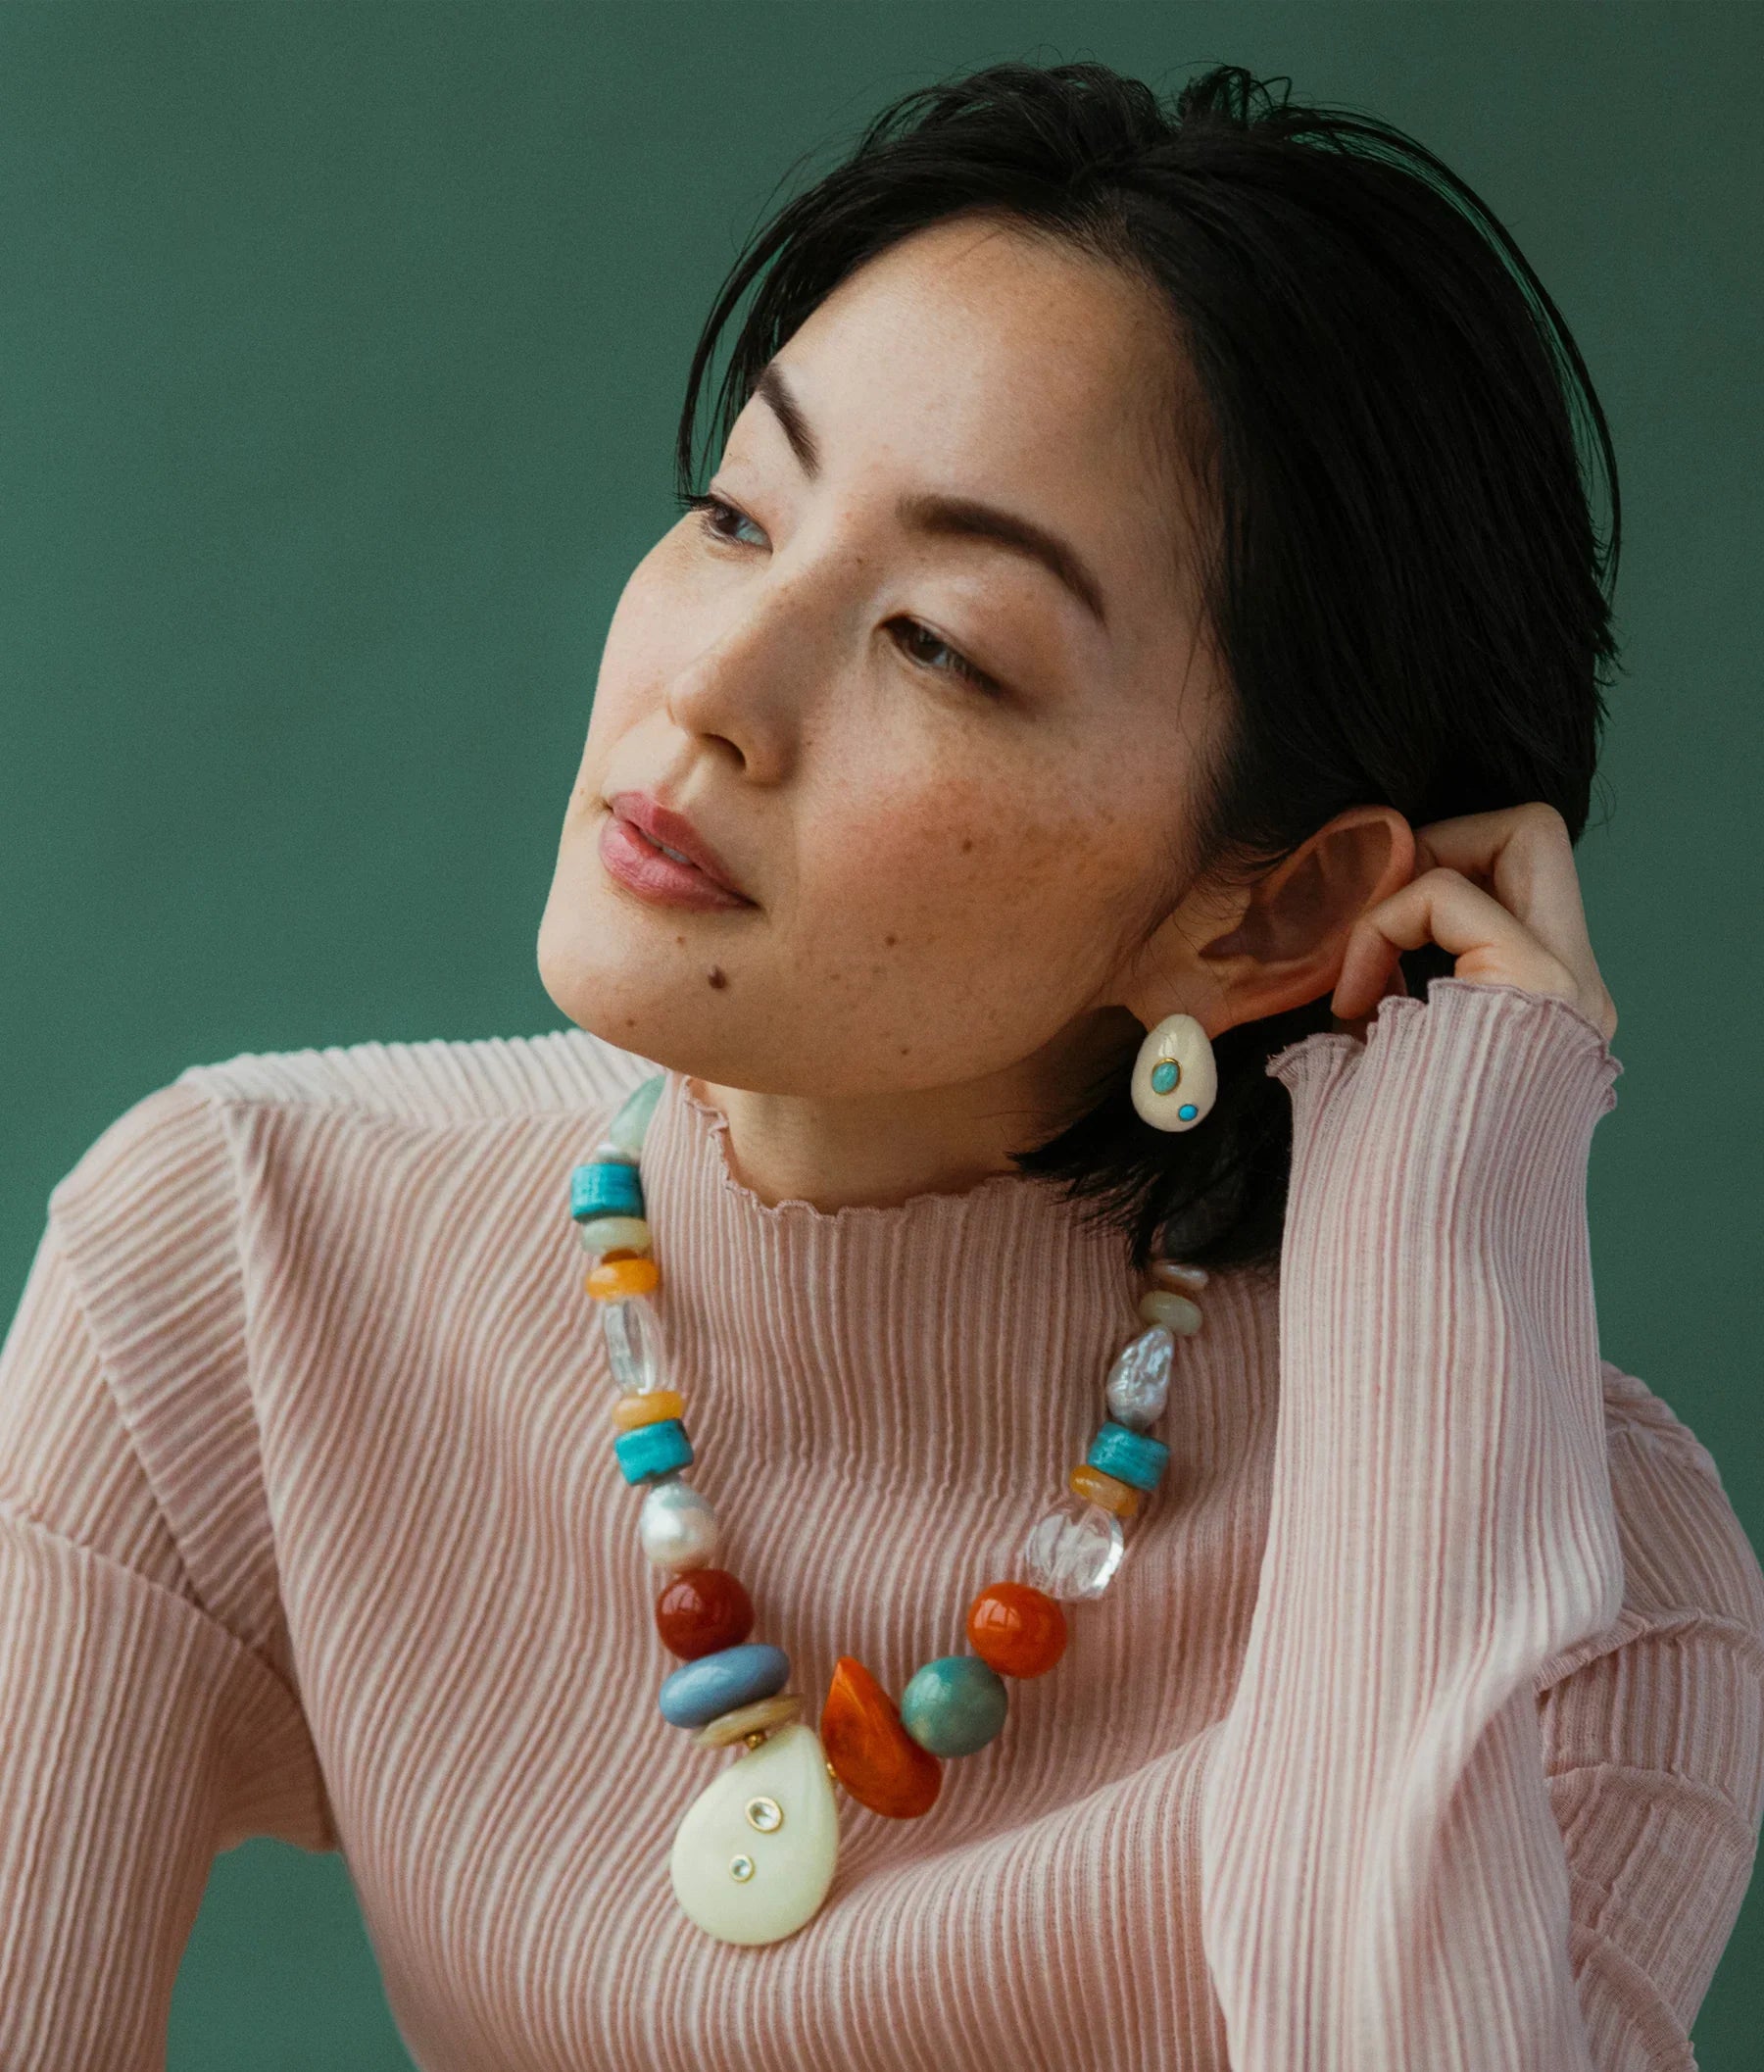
1175 1078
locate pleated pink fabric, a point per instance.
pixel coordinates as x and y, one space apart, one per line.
1423 1726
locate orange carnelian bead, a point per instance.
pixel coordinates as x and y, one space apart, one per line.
702 1609
1092 1482
613 1279
870 1751
1017 1629
629 1412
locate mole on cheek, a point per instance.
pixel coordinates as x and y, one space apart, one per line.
718 977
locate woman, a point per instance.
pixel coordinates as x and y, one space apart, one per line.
1069 914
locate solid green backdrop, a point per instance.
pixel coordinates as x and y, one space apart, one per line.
343 345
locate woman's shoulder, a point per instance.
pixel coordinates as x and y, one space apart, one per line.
171 1156
438 1079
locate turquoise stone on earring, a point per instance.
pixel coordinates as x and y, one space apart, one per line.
1165 1076
1188 1111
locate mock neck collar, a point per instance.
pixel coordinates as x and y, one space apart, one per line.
961 1336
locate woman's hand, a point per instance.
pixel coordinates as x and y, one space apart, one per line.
1499 891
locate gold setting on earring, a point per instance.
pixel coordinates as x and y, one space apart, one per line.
1175 1079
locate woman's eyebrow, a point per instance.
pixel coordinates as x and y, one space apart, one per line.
953 517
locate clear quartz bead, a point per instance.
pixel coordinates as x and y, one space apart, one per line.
1075 1550
1139 1382
633 1342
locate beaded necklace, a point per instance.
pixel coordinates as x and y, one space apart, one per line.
755 1851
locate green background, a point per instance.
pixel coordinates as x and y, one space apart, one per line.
342 348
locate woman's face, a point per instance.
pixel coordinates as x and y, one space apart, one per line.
951 881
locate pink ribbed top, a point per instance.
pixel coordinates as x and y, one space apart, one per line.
1421 1727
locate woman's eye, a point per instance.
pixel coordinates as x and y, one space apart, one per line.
917 639
717 517
712 509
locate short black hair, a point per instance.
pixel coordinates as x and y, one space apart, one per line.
1407 589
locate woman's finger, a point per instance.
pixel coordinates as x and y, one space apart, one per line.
1526 857
1441 905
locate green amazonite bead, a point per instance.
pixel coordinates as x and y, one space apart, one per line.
632 1120
954 1704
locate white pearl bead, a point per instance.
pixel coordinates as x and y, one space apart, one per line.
678 1527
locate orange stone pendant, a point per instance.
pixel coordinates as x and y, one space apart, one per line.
871 1753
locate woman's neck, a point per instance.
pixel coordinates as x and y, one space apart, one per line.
881 1149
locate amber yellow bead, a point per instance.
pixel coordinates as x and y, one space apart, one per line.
629 1412
613 1279
1092 1482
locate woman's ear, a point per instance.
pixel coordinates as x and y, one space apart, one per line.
1288 945
1285 934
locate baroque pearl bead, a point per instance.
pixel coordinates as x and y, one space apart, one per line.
677 1526
1075 1550
1139 1382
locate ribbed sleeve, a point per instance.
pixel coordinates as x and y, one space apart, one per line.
139 1732
1386 1872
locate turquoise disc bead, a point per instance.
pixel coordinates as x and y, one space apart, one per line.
954 1704
1129 1456
715 1684
653 1448
604 1187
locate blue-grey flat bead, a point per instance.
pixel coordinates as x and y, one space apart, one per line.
703 1690
954 1704
1129 1456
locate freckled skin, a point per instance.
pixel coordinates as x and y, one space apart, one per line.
1023 849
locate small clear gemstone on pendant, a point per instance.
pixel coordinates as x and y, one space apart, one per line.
740 1868
767 1814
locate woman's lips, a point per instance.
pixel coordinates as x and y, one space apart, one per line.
635 861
